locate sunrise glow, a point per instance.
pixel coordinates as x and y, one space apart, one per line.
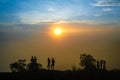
57 31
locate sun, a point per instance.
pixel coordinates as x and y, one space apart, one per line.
57 31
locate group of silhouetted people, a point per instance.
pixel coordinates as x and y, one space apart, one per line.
33 59
51 64
101 64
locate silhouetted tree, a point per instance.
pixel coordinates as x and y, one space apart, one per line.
34 66
18 66
87 61
14 67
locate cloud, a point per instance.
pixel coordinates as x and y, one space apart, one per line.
107 9
51 9
97 15
85 21
42 21
61 22
107 3
77 21
31 16
46 21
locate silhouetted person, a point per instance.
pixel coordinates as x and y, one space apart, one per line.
32 60
98 64
53 64
104 65
34 66
101 64
35 59
48 66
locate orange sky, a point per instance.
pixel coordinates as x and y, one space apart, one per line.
103 42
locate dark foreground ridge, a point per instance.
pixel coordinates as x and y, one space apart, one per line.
61 75
92 70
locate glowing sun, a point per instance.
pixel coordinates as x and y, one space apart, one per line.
57 31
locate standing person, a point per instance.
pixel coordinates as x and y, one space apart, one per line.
48 66
53 63
98 64
32 59
35 59
104 65
101 64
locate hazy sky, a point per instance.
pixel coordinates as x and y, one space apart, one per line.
89 26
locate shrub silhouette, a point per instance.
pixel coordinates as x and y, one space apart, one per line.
18 66
21 66
87 62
